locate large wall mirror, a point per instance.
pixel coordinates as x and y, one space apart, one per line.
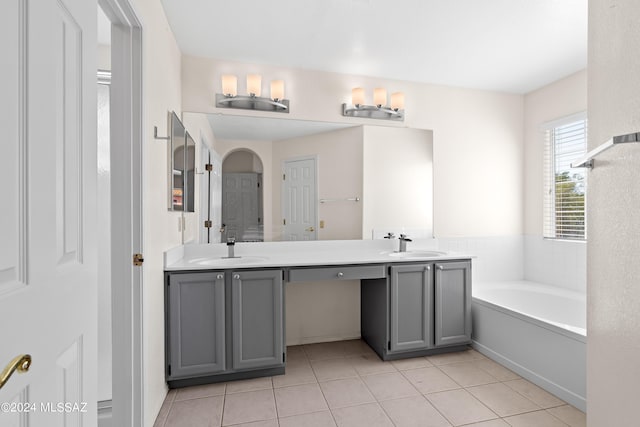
305 180
182 157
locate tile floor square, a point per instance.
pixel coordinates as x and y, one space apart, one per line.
348 392
333 369
413 412
534 393
391 385
203 412
249 406
316 419
460 407
569 415
367 364
496 370
467 374
199 391
535 419
294 376
430 380
414 363
252 384
503 400
370 415
299 399
325 350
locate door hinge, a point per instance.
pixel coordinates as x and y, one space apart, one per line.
258 185
138 260
208 224
284 357
388 345
258 220
208 167
284 177
284 221
169 370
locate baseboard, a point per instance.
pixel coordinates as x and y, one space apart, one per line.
568 396
104 413
328 338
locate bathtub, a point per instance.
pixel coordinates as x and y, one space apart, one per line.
537 331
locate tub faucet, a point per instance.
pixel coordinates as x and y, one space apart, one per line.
231 243
403 243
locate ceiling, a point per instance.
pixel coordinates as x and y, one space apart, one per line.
506 45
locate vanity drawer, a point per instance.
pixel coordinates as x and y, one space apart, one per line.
351 272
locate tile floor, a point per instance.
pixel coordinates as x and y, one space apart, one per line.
345 384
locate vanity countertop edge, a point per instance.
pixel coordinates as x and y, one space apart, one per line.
303 254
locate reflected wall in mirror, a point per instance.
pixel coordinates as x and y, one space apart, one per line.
182 166
242 208
387 169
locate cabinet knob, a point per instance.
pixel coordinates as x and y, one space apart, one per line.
428 267
441 267
219 277
340 274
236 276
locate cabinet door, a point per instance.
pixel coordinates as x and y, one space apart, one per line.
196 324
453 303
257 319
411 309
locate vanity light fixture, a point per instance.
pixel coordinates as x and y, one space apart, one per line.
379 110
229 97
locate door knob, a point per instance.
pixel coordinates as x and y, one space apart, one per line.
19 363
310 229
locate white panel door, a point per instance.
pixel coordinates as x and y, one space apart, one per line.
240 202
299 200
48 262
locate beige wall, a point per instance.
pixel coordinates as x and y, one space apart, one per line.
559 99
162 93
613 294
398 190
339 164
477 135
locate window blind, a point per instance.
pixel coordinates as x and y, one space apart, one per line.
565 187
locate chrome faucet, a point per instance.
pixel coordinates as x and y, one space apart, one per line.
403 243
231 243
390 236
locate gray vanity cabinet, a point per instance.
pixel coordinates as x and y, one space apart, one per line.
196 324
452 303
419 309
411 299
257 319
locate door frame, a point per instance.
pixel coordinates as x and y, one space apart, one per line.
126 115
283 196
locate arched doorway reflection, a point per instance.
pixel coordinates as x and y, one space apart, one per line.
242 198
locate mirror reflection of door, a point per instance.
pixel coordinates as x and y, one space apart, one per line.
299 200
242 206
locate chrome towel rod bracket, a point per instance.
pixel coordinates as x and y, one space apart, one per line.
588 160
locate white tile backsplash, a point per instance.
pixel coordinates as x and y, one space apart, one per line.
556 262
503 258
498 258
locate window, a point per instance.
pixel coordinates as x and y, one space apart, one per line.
565 187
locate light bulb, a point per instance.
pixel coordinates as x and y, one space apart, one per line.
254 84
357 96
229 85
380 96
397 100
277 90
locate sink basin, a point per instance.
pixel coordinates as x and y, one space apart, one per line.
417 254
227 262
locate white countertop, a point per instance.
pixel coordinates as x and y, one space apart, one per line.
300 254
